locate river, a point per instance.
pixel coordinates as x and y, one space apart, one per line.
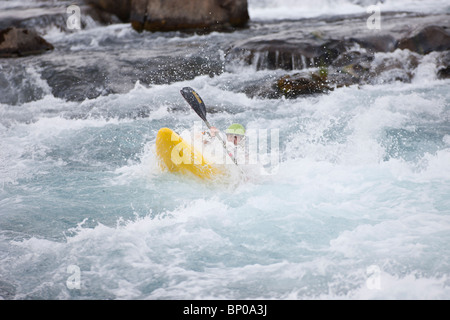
357 205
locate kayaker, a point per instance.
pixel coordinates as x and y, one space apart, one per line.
235 135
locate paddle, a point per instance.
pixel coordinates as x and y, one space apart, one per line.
197 104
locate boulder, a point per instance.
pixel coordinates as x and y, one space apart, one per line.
120 8
262 90
400 66
291 54
292 86
350 68
377 42
169 15
429 39
444 73
18 42
443 64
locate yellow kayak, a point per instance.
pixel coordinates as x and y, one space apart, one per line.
177 155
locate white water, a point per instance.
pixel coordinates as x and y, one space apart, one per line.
358 208
335 207
295 9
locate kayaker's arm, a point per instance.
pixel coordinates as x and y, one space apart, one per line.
210 134
213 131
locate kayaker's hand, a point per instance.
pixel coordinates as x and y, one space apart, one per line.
213 131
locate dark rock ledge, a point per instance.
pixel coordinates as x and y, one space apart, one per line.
19 42
169 15
342 56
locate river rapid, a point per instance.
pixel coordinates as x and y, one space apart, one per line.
356 205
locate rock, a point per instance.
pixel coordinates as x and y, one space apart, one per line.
444 73
353 57
399 66
103 73
169 15
297 45
287 54
377 43
120 8
101 16
350 68
291 54
350 75
443 64
431 38
17 42
289 86
262 89
299 84
329 51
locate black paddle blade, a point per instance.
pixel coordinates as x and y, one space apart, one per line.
194 101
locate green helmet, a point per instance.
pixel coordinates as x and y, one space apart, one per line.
236 128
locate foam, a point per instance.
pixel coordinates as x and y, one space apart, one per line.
291 9
337 204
